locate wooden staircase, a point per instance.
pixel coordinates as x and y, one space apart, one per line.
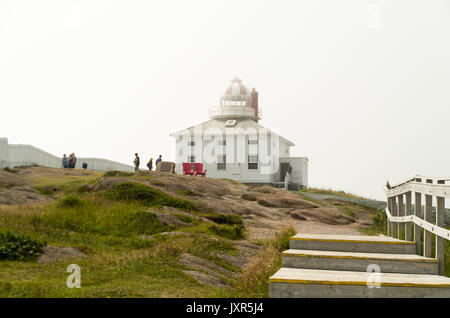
335 266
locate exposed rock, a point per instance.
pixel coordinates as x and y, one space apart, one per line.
245 251
149 237
9 179
21 195
53 254
298 216
198 263
207 279
169 219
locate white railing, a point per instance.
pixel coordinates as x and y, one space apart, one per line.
402 212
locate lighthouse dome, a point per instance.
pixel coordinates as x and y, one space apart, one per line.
236 88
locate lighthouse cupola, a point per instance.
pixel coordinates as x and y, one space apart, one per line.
237 103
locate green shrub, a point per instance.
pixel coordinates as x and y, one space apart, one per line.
184 218
131 191
18 247
122 219
229 219
232 232
144 222
265 203
46 190
379 221
70 202
7 169
248 197
117 174
186 192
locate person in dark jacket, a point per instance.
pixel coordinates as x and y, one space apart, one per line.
137 162
65 161
150 164
70 161
158 160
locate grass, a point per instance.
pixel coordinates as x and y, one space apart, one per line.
137 192
232 232
254 282
333 192
106 226
61 183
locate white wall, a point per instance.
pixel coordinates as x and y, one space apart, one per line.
25 155
299 169
240 171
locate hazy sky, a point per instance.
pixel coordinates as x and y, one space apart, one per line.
362 87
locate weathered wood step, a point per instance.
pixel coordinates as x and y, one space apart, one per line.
352 243
306 283
356 261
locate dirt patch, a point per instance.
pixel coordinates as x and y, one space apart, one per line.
53 254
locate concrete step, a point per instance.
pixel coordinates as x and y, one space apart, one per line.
307 283
352 243
358 262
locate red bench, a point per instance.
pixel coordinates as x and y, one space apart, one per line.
187 169
199 169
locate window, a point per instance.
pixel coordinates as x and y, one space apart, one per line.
222 142
252 141
221 162
192 161
253 161
191 143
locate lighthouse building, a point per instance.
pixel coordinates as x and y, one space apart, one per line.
232 144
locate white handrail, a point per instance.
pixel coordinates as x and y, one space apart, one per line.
399 198
430 227
417 178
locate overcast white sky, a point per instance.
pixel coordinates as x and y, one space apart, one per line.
362 87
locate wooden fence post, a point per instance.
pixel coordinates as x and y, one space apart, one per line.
418 213
390 227
394 213
401 212
440 212
408 234
429 218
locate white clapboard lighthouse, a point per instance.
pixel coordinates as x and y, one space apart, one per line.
232 144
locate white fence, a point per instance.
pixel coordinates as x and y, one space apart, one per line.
403 213
25 155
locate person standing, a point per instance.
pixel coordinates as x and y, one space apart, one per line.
74 160
65 161
70 161
158 160
137 162
150 164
